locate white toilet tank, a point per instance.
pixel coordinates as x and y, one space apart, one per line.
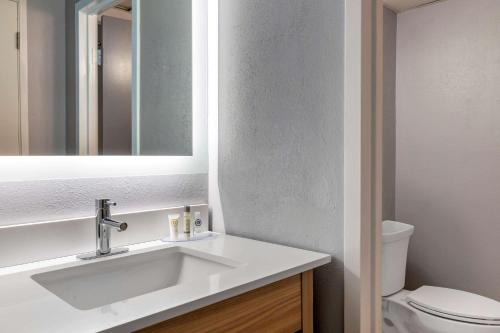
395 240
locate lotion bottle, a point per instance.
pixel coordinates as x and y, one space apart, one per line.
173 221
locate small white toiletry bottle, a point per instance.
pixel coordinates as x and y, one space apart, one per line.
187 222
173 222
198 223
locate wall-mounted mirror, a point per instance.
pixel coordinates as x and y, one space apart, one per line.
96 77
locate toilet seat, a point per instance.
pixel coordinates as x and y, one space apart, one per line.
455 305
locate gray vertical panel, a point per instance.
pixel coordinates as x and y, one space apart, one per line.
70 78
281 132
47 76
166 78
389 170
116 86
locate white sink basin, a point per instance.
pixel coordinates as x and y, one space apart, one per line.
104 282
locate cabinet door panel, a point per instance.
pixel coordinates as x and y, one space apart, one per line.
273 308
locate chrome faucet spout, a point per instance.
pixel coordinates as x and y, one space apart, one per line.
119 226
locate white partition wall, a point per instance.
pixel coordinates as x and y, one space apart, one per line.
362 165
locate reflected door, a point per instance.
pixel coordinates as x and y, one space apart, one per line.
10 127
116 114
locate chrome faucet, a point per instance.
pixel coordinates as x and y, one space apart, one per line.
104 225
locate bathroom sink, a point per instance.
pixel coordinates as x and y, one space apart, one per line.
104 282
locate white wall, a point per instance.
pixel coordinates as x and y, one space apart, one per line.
448 143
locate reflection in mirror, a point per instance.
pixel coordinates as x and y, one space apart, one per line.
115 81
96 77
166 77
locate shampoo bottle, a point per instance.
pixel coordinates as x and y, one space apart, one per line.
187 222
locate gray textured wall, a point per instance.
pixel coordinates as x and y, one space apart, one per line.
389 143
281 132
47 76
46 200
166 78
448 143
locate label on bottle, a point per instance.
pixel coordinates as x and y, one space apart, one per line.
187 223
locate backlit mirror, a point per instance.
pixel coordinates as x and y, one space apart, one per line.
96 77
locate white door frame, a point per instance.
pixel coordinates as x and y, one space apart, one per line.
22 28
86 20
363 165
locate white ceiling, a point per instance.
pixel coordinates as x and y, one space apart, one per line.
402 5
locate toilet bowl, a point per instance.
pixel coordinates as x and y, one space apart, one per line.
427 309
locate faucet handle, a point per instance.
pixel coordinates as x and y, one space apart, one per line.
104 203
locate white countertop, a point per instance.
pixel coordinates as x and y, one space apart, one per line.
26 306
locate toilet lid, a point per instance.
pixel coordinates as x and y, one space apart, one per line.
456 305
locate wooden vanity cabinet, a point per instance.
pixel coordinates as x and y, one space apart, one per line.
285 306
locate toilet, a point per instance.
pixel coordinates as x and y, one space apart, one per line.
427 309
